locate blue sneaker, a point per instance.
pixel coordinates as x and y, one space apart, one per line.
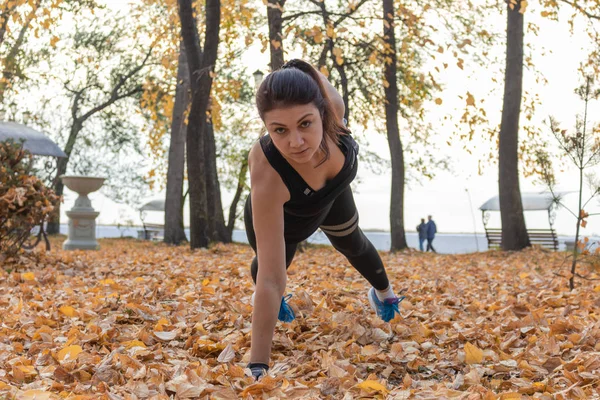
386 309
286 314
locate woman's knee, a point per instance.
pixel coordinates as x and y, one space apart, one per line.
352 245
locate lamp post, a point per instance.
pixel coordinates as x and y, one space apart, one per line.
258 77
26 117
473 217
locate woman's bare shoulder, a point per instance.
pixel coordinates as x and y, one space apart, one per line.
264 180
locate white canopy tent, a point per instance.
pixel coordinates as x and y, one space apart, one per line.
154 205
543 201
531 201
35 142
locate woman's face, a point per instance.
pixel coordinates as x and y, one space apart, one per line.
296 131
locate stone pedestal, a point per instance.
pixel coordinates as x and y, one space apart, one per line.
82 231
82 217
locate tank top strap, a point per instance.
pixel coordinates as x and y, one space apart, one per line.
279 163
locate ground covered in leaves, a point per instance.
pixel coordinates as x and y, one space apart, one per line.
138 320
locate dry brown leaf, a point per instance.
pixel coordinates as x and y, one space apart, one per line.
473 355
227 354
527 335
371 385
69 353
36 395
166 336
266 384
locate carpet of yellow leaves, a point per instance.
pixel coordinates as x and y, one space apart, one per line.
138 320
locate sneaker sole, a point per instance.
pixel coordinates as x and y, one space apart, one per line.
372 302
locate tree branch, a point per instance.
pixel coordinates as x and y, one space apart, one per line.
111 100
348 15
297 15
580 9
586 278
115 96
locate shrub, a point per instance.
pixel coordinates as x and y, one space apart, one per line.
25 201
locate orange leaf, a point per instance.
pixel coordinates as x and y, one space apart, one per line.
473 355
68 311
372 385
69 353
470 100
28 276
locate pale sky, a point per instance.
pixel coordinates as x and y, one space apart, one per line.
446 197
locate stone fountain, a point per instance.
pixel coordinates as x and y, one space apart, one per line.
82 217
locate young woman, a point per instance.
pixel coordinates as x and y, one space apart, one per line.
300 175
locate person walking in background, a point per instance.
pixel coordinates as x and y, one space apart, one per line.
422 231
431 231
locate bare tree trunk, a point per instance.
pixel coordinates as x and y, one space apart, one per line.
174 229
343 83
53 227
217 231
514 232
393 131
329 47
274 13
237 196
200 64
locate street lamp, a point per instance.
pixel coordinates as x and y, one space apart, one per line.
258 77
26 116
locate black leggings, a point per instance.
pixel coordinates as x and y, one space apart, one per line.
341 228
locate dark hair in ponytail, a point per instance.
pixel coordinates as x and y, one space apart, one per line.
298 83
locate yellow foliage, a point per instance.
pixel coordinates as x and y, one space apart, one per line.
371 385
28 276
69 353
473 355
470 100
330 32
54 40
68 311
336 347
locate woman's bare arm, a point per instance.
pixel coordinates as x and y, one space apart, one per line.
334 97
268 194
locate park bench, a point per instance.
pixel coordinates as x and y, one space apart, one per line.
531 202
152 231
541 237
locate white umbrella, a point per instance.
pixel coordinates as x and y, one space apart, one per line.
35 142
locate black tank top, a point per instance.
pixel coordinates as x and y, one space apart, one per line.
307 208
304 201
